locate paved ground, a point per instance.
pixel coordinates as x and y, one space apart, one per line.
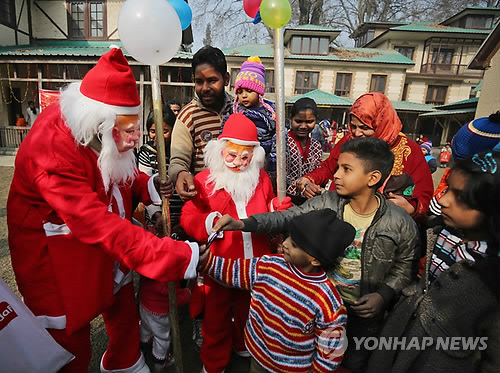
99 339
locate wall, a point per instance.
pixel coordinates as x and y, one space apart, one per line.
488 101
8 34
43 28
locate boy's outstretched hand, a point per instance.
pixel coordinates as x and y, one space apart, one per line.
228 223
204 253
368 305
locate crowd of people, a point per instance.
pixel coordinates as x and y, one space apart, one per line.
362 246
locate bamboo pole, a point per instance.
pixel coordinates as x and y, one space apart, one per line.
162 169
279 79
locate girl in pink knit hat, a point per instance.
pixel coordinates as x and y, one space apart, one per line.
249 89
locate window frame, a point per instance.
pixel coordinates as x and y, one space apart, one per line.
433 100
397 48
270 88
377 76
305 44
11 6
337 91
87 20
300 90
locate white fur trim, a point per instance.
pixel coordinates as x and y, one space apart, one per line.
209 221
240 142
153 194
271 207
119 110
139 367
52 322
119 201
52 229
247 236
195 257
120 278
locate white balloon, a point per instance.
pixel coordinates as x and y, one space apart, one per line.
150 30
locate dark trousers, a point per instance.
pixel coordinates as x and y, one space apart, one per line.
357 327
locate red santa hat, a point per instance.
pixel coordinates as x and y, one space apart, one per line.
240 130
111 83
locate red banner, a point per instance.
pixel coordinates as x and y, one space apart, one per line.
47 97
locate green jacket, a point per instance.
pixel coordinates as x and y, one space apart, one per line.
388 259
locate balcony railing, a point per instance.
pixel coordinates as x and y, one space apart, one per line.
449 69
12 136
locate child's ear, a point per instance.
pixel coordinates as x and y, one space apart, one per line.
315 262
375 177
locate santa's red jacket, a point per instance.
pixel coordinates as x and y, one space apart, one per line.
198 215
63 237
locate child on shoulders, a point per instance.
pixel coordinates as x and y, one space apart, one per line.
249 89
296 319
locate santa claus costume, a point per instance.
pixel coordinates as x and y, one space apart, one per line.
234 183
69 206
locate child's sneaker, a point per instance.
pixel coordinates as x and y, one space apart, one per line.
197 336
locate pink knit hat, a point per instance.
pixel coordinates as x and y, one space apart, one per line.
252 76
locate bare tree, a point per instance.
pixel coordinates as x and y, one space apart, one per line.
207 40
231 26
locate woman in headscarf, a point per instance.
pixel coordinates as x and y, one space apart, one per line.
372 115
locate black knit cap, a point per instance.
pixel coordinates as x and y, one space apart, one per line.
322 235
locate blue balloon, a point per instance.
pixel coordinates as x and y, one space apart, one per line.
184 12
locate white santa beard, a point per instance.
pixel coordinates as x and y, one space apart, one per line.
115 167
240 185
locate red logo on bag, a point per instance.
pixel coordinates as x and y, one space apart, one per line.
7 314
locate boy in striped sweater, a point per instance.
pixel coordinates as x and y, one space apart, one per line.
297 318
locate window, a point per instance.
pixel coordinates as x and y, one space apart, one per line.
343 84
377 83
443 57
404 97
87 19
269 81
436 95
234 74
306 81
477 22
8 13
406 51
309 45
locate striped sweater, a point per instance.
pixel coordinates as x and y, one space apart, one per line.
195 126
295 318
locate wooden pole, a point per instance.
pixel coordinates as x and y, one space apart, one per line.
279 79
162 169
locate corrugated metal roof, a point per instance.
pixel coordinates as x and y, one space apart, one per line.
312 28
371 55
323 98
469 102
411 106
433 27
74 48
443 113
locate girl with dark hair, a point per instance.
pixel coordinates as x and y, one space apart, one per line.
458 294
303 152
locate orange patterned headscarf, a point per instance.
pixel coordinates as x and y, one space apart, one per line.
376 111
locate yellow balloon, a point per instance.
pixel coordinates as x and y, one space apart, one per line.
275 13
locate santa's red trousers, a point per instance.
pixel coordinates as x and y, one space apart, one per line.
219 331
122 326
